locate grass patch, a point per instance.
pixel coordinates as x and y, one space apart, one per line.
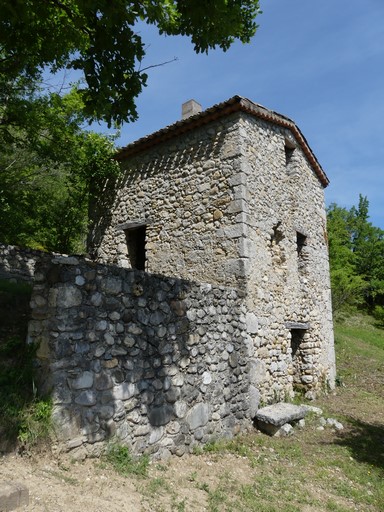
122 461
317 470
61 476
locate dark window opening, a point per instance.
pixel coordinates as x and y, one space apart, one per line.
135 238
297 336
289 148
288 154
300 242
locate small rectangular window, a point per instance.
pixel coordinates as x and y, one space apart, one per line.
136 238
288 154
300 242
297 336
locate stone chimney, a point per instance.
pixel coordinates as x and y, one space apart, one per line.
190 108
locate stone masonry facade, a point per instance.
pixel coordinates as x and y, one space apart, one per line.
234 196
206 292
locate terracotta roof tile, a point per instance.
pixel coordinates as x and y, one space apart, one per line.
234 104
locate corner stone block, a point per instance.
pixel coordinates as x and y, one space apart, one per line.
252 323
67 422
254 401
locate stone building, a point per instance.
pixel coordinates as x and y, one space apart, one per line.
207 293
233 196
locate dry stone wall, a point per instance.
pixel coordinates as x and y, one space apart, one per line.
158 363
18 264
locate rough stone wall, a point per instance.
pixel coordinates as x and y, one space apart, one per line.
227 205
187 192
287 277
159 363
18 263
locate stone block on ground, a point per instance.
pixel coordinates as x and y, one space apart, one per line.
12 496
269 419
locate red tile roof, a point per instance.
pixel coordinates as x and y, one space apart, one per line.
234 104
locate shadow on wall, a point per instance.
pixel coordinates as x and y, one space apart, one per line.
155 362
167 161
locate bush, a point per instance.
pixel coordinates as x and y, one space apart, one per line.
124 463
378 314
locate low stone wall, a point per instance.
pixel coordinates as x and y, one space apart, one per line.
19 263
161 364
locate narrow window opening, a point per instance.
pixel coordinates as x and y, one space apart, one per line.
288 154
300 242
289 147
277 235
136 238
297 336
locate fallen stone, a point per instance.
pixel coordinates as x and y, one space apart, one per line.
13 495
271 418
334 423
285 430
281 413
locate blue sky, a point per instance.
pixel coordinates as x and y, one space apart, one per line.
319 63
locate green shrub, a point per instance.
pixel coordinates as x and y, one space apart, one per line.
124 463
378 314
24 419
35 423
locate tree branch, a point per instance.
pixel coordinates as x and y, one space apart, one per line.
158 65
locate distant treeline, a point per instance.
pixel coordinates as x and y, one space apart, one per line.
356 250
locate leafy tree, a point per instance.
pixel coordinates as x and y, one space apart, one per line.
47 163
368 249
347 286
356 250
101 39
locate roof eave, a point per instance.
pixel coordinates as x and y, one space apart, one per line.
234 104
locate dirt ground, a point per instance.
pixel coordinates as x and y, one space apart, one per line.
65 486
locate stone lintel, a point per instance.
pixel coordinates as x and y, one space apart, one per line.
137 223
297 325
